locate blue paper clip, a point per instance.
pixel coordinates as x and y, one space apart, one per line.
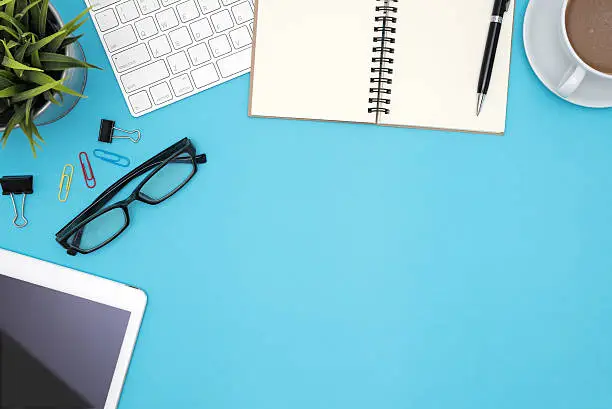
111 157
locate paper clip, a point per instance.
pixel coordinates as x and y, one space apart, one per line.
107 135
88 174
113 158
65 183
18 185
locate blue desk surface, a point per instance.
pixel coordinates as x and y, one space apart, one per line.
322 265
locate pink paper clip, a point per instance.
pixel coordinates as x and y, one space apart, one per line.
90 179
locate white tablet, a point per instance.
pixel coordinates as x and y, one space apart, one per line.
66 337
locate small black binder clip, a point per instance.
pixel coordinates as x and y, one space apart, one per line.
18 185
107 128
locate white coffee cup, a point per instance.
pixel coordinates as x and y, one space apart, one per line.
578 71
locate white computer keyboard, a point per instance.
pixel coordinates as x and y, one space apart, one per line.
163 51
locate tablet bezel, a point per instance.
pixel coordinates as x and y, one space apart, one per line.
91 288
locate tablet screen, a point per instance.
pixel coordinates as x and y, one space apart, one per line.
56 350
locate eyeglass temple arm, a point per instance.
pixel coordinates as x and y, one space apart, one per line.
116 187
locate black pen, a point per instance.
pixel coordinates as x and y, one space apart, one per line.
499 8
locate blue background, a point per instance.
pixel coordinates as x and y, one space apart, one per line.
322 265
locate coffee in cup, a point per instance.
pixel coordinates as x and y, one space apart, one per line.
587 33
589 29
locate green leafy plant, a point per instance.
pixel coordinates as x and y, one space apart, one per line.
32 63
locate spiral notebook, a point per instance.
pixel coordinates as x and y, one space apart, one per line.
412 63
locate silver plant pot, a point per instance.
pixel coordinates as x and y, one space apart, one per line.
74 78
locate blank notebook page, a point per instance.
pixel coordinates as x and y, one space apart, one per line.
312 59
438 54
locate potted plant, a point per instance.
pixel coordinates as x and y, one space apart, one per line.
37 62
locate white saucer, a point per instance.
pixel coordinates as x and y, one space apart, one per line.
549 60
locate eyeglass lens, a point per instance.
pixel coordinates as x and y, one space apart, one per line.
99 230
168 180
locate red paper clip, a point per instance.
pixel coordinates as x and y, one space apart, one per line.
90 179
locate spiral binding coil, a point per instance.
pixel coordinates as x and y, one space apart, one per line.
383 50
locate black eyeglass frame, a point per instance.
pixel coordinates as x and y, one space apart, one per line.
97 208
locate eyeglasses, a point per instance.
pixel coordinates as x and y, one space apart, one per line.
100 224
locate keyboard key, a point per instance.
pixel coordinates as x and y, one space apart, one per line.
220 45
242 12
181 85
147 75
209 5
167 19
148 6
178 62
106 19
226 2
98 4
127 11
161 93
168 2
180 38
222 21
199 54
160 46
131 58
188 11
235 63
140 102
205 76
241 37
120 38
201 29
146 27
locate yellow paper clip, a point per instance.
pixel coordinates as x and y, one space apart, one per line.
65 183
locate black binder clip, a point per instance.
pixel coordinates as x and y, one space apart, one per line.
107 128
18 185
